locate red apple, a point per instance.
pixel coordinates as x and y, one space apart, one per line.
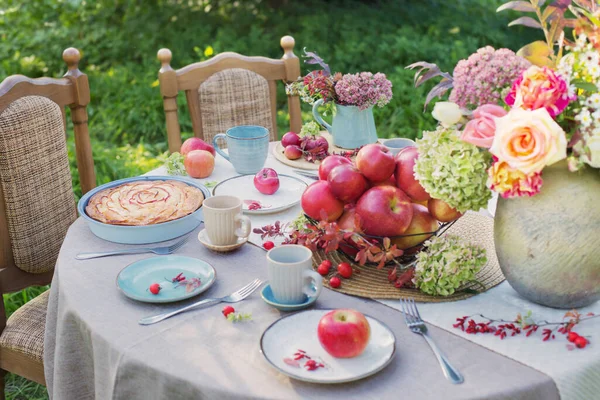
330 163
195 143
293 152
375 162
347 183
442 211
290 139
344 333
405 176
350 221
199 163
422 222
384 211
322 143
266 181
318 199
391 181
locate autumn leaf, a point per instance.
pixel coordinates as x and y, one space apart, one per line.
538 53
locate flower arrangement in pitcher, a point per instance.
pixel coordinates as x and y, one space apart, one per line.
363 89
511 115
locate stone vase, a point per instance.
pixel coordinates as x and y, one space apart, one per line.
548 245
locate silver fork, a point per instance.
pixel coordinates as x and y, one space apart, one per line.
416 325
232 298
163 250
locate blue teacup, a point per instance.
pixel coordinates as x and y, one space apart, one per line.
395 145
248 147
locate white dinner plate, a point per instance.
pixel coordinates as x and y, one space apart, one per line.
286 336
242 186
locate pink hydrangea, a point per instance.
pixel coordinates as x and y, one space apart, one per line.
483 77
363 90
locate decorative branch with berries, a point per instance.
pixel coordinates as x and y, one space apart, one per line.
525 324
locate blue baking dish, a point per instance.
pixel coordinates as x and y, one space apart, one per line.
143 234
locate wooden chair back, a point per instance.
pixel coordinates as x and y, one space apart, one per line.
73 91
189 79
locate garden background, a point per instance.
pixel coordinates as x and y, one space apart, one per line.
119 40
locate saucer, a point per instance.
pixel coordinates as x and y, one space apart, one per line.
205 240
267 296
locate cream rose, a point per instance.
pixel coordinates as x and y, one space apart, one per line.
447 113
529 140
593 151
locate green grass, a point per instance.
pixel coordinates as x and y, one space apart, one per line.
119 40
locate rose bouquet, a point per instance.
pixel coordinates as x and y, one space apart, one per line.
526 126
527 110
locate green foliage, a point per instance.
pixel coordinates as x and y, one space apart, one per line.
446 263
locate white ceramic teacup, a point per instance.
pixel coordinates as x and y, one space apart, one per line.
290 274
394 145
223 220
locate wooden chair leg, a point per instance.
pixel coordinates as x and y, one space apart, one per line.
2 376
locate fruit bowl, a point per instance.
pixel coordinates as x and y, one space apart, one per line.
350 248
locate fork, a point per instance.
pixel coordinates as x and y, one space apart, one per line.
164 250
232 298
416 325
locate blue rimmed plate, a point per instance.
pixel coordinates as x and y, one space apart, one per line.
135 279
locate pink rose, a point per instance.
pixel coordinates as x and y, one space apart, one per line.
527 141
481 129
540 87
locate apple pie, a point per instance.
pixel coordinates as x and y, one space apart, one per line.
144 202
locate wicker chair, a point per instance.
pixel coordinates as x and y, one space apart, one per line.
228 90
37 204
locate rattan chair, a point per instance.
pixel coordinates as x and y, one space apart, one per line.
37 204
228 90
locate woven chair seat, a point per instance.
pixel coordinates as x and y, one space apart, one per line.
24 332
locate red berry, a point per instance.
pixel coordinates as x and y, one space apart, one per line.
572 336
268 245
335 282
345 270
227 310
155 288
323 268
581 342
326 262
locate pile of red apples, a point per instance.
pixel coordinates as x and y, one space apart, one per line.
382 190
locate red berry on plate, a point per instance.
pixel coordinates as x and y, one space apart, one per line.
155 288
335 282
323 269
227 310
268 245
326 262
345 270
581 342
572 336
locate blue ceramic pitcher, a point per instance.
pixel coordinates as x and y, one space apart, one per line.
247 145
352 127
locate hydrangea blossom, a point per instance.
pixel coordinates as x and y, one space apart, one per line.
486 76
363 90
452 170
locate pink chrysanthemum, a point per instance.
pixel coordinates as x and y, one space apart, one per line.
483 77
540 87
364 90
